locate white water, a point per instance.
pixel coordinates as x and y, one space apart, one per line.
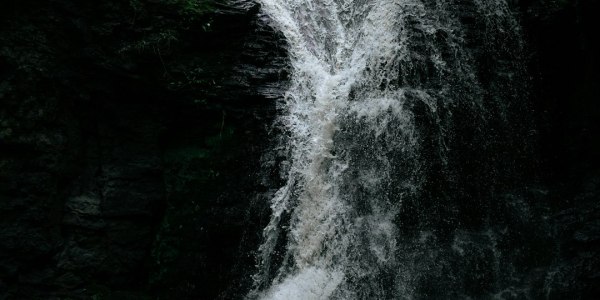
359 68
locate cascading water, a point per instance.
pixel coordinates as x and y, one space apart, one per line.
367 119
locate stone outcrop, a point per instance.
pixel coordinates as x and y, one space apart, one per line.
128 173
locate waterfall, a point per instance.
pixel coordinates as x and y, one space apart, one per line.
370 114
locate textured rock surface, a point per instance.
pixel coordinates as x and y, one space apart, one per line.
126 159
563 41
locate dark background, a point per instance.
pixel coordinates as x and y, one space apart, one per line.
132 134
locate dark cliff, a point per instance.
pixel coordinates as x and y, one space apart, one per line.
131 135
564 67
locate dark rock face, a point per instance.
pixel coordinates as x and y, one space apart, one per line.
128 173
563 41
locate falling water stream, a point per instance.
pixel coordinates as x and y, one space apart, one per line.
363 73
